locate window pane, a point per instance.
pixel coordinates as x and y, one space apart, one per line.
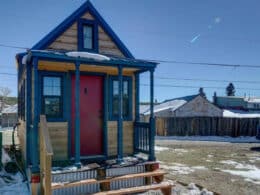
52 86
88 37
115 88
52 107
125 88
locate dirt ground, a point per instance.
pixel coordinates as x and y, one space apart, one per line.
222 167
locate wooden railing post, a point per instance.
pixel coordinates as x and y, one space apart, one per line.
46 154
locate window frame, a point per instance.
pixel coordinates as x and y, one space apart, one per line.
129 79
61 97
94 25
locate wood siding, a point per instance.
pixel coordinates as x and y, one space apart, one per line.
128 135
68 40
58 132
198 107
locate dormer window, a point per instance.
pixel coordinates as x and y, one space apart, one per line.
87 35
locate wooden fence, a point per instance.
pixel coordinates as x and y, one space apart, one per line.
206 126
46 154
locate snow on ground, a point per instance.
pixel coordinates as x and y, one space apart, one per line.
93 56
242 139
160 148
12 184
251 173
182 169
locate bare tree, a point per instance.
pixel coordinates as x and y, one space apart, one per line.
4 93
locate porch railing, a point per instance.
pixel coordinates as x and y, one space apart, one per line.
46 154
142 134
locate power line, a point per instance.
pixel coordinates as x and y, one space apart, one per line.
10 74
207 80
197 87
170 61
12 46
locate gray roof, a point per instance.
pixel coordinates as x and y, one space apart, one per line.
10 109
172 104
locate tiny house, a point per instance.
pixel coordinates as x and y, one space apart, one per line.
86 82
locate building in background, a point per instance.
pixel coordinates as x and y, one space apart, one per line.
237 103
188 106
9 116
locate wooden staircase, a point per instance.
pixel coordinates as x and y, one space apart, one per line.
153 180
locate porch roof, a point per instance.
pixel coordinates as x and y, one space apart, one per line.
86 58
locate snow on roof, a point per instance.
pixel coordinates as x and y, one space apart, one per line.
172 104
253 100
144 108
93 56
240 114
10 109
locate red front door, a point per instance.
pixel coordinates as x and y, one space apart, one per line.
91 109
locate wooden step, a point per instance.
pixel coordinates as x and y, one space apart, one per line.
165 187
107 180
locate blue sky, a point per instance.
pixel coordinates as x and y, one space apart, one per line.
183 30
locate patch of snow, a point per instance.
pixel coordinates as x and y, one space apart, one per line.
210 155
13 184
238 165
242 139
240 114
63 169
24 59
180 150
200 168
93 56
5 157
251 173
182 169
160 148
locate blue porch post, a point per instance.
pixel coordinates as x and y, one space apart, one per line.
28 111
152 120
77 115
120 117
137 110
34 137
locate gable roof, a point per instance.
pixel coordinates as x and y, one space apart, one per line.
86 7
172 104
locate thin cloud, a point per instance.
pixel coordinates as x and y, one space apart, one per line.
195 38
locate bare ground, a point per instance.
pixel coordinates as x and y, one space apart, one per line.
200 163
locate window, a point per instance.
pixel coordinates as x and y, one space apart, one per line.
87 35
52 97
115 98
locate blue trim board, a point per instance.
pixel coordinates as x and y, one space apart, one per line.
77 114
152 120
69 100
86 7
120 117
105 119
35 153
94 26
28 112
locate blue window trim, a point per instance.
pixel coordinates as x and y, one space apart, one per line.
63 91
130 92
93 23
